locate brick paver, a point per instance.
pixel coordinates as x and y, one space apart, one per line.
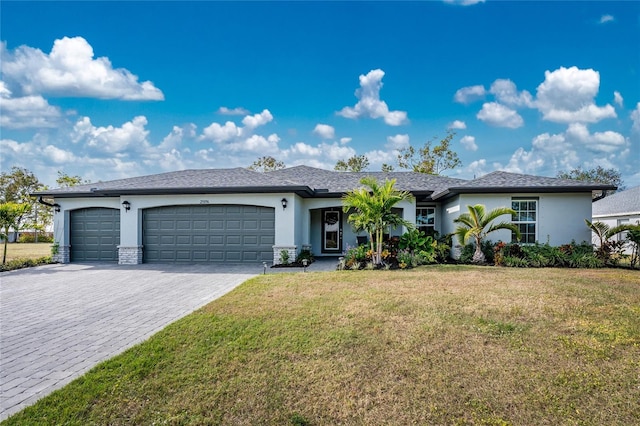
58 321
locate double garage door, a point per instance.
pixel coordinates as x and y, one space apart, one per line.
208 233
199 233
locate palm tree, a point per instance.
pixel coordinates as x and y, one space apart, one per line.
371 210
473 225
604 233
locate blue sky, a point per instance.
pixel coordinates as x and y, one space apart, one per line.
107 90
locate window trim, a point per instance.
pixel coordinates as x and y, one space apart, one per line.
519 222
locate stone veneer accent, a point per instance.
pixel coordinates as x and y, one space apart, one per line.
129 255
293 252
63 256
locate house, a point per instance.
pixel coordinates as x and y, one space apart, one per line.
619 209
238 215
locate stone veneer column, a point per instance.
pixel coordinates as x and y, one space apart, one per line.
129 255
63 255
292 250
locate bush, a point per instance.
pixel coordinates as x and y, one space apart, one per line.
24 263
305 254
31 238
543 255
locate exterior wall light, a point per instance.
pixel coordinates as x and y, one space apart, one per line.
284 203
56 208
126 205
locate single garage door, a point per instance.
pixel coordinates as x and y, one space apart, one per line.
95 234
208 233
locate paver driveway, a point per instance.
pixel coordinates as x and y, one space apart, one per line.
58 321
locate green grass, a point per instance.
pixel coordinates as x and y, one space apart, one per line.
26 250
452 345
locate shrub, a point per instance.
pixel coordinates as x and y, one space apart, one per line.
31 238
284 257
305 254
24 263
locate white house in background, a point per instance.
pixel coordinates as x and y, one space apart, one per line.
619 209
237 215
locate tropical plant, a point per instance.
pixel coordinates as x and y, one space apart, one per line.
10 215
607 249
370 210
633 237
477 224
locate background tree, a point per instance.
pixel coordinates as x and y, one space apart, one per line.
599 175
387 168
370 210
66 181
428 159
266 164
357 163
475 225
10 214
16 187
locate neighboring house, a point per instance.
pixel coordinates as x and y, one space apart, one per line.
619 209
237 215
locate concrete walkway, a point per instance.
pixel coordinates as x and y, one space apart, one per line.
59 321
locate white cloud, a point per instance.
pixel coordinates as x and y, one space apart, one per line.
256 120
132 136
469 94
27 112
232 111
369 103
477 168
305 150
469 143
618 99
174 139
222 133
324 131
345 141
567 95
457 124
71 70
635 118
507 93
600 142
499 115
397 142
606 18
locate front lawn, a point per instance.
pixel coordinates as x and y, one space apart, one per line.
26 250
434 345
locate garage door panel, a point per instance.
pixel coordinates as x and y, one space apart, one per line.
94 234
208 233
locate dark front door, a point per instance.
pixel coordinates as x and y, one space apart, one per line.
332 231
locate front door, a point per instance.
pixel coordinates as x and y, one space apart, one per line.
331 231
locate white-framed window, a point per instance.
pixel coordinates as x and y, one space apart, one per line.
426 220
622 236
526 219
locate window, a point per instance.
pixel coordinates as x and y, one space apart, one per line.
622 236
426 220
525 219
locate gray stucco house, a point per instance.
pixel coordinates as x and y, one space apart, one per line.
237 215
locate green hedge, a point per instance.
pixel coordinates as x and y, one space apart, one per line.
25 263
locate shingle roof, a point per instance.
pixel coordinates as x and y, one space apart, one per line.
236 179
341 182
514 182
308 181
624 202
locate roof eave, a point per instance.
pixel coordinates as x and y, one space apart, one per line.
303 191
